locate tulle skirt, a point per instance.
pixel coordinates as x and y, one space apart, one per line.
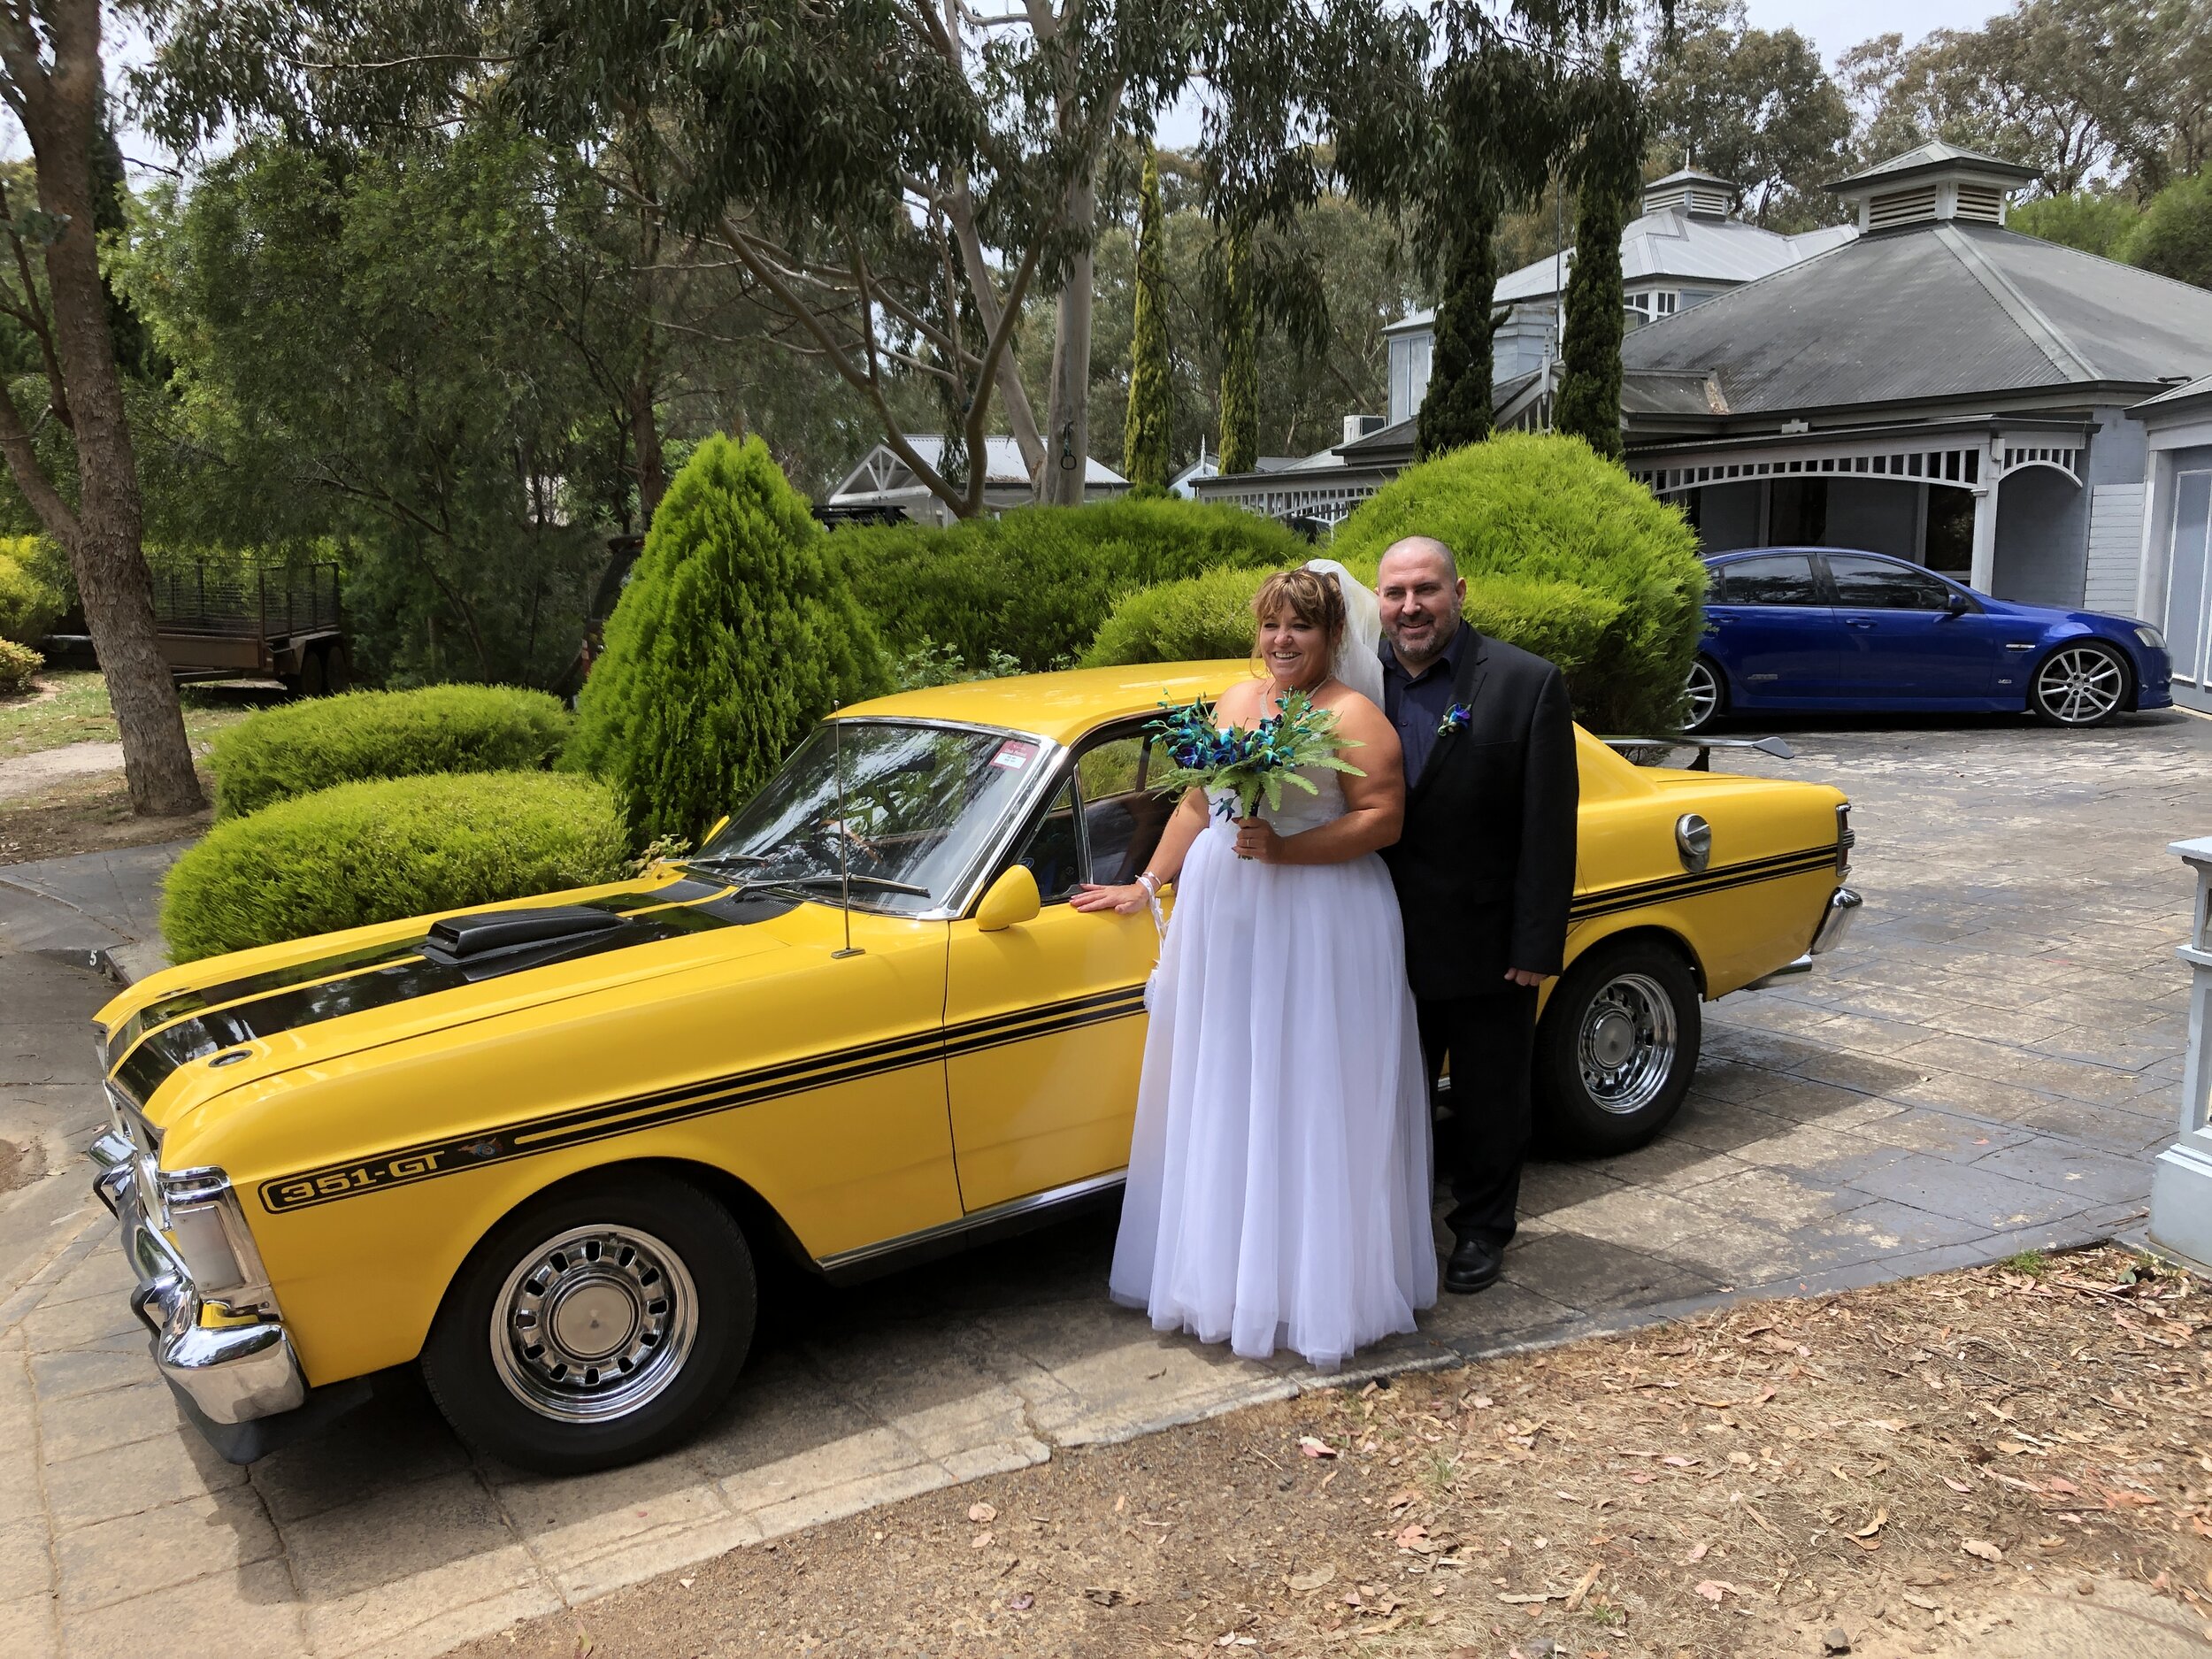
1280 1183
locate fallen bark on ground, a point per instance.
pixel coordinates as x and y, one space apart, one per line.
1979 1462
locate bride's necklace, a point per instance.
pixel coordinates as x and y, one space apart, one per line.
1274 697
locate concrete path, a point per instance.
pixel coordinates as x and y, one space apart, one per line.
22 775
1986 1067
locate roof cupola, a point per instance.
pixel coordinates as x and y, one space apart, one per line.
1931 183
1699 194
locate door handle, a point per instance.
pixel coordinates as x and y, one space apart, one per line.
1856 622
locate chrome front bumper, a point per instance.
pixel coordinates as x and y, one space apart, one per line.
233 1373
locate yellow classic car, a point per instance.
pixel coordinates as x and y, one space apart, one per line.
538 1148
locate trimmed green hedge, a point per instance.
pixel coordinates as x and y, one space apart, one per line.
298 747
17 665
1550 517
1038 582
382 851
1564 555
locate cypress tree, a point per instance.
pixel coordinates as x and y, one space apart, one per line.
737 632
1240 356
1589 401
1456 408
1144 438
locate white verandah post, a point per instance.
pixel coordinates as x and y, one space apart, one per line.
1984 571
2181 1179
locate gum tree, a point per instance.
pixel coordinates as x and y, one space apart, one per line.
51 293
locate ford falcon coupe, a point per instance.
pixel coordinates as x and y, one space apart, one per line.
539 1149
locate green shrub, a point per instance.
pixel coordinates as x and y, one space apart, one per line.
1037 582
2173 236
1555 520
29 604
297 748
1210 616
737 632
378 851
17 664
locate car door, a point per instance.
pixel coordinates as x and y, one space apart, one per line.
1044 1027
1903 639
1772 629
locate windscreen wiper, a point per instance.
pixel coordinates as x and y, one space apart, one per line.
880 883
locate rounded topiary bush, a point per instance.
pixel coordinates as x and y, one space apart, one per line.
29 604
18 665
1554 519
381 850
1038 582
737 632
298 747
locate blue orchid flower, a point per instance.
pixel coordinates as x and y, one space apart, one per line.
1455 720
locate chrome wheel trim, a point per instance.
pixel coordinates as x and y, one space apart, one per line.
594 1322
1627 1044
2081 685
1704 693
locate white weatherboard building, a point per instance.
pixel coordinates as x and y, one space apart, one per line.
1941 388
2175 558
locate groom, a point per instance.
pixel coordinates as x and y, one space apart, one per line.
1485 869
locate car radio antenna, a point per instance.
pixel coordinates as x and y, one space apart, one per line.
844 840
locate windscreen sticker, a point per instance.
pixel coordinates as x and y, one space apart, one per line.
1014 755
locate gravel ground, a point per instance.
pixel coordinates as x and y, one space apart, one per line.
2003 1461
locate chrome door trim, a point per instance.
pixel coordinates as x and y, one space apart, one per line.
1046 1200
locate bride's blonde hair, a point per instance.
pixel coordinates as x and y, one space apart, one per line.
1311 597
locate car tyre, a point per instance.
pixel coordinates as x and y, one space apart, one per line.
595 1326
2081 684
1616 1047
1707 691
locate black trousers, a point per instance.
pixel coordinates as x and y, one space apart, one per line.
1491 1041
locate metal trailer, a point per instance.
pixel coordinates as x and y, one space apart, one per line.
282 622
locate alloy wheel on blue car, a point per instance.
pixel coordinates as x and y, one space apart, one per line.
2080 684
1705 694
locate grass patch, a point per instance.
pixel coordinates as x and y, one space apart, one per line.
2034 1263
70 705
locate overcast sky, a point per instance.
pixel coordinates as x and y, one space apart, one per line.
1836 26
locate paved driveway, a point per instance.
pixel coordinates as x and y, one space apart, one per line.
1986 1066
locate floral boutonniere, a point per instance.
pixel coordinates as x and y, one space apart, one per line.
1454 719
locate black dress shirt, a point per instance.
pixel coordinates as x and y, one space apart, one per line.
1417 704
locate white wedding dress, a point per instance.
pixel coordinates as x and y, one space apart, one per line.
1278 1186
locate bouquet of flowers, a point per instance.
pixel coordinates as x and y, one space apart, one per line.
1253 765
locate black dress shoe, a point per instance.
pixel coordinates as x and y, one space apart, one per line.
1473 1264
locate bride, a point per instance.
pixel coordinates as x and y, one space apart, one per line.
1278 1183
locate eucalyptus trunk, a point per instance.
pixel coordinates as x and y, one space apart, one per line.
1068 433
58 102
1239 358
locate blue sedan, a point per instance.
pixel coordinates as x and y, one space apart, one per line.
1811 628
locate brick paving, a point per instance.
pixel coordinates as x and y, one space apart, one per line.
1987 1065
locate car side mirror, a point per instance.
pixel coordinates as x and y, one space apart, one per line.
1011 899
1955 604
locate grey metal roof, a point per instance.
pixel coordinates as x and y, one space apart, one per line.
1670 244
2181 399
1935 156
1934 310
1002 462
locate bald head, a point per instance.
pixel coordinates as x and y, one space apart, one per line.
1421 593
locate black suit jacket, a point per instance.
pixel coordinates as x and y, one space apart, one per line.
1485 867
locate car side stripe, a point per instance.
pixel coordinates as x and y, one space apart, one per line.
1607 900
577 1125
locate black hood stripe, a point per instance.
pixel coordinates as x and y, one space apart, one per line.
579 1125
696 908
177 1005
